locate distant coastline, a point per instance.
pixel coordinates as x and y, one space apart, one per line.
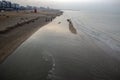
10 6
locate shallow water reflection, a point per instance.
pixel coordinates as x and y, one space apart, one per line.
72 28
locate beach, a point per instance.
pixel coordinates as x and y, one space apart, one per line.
16 27
74 46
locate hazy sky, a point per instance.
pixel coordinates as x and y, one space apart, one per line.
70 4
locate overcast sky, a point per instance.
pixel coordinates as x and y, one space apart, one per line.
69 4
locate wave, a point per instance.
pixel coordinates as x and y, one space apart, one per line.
104 37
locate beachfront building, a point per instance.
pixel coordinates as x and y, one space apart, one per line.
15 6
0 4
5 5
29 7
8 4
22 8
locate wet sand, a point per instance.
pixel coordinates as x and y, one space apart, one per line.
71 27
15 28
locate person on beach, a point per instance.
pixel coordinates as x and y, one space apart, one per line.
35 10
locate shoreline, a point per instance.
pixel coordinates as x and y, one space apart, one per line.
12 37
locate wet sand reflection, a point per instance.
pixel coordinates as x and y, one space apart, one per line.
71 27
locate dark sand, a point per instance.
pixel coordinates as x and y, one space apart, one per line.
71 27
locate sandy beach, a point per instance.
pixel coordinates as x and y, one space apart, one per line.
16 27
